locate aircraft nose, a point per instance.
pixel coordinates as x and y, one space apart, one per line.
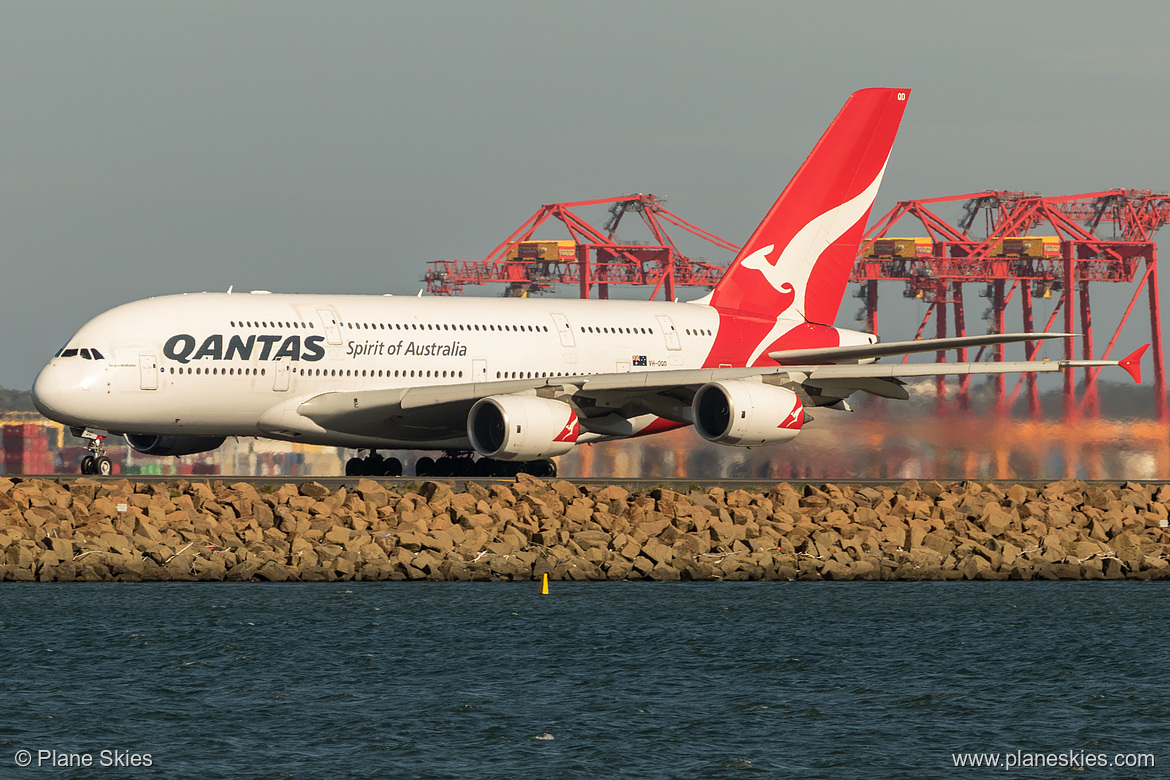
46 392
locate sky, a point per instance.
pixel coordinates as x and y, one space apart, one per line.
152 148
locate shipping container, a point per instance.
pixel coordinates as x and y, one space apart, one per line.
1041 247
552 251
904 248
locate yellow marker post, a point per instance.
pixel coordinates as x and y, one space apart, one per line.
544 584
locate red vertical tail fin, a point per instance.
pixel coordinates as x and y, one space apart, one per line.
799 259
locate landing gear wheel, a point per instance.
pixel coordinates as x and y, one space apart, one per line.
392 467
103 466
374 465
486 467
424 467
355 467
87 465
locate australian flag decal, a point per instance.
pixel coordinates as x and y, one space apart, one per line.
638 360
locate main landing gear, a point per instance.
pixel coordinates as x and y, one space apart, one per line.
373 465
454 464
95 462
461 465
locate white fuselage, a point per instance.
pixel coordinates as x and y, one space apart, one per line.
218 364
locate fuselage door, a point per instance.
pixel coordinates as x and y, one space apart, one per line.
563 329
329 322
478 370
148 372
283 368
668 332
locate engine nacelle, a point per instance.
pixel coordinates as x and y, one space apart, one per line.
747 414
521 427
165 444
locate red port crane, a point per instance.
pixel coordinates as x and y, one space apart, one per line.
1009 259
596 258
934 268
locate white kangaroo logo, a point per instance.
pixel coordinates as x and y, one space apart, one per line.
790 272
773 273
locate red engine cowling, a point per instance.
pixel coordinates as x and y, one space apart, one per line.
521 427
747 414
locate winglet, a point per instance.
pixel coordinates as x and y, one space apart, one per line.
1132 363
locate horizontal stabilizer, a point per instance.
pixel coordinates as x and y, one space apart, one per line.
1133 363
857 352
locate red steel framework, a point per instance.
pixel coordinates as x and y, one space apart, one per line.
1083 257
600 259
935 272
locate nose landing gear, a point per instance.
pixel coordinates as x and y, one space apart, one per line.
95 462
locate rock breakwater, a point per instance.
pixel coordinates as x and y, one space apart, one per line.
86 530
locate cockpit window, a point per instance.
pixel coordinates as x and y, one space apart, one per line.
88 353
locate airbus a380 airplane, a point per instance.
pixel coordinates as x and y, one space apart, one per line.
518 381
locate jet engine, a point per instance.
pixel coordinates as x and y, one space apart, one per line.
747 414
164 444
521 427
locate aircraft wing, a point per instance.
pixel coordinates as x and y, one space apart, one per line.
857 352
605 399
